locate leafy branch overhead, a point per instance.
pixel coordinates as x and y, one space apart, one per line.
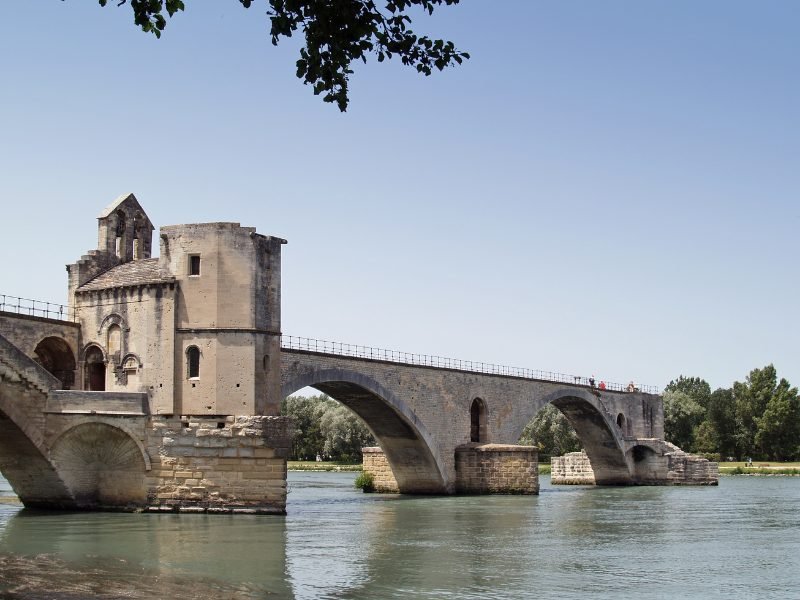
337 32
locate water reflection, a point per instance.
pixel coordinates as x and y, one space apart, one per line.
729 542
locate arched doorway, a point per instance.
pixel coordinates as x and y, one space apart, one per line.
477 419
55 355
94 378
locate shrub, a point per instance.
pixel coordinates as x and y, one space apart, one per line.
365 482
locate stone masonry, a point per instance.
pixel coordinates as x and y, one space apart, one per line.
230 464
375 463
497 469
649 464
573 468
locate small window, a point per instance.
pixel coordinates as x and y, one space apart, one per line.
477 417
193 362
194 264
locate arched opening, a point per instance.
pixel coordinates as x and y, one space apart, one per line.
408 451
55 355
621 423
646 464
193 362
594 431
101 465
94 370
477 420
551 432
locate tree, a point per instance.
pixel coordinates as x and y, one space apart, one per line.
697 389
306 413
682 414
721 417
337 32
344 434
778 433
550 431
323 427
750 400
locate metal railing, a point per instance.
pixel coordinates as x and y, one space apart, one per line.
290 342
36 308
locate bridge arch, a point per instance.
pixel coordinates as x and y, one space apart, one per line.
23 455
102 465
415 460
599 433
55 355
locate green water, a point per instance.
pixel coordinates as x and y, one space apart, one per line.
738 540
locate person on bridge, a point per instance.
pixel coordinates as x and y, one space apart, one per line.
602 385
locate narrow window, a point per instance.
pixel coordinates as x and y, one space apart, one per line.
477 417
194 264
114 342
193 362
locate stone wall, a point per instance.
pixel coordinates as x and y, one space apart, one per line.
225 464
374 462
573 468
658 463
690 469
497 469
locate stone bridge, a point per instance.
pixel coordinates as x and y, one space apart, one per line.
63 448
421 414
159 385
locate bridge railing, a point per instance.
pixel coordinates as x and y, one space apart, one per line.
290 342
36 308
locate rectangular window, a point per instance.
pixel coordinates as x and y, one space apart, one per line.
194 264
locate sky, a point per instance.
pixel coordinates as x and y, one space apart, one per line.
607 188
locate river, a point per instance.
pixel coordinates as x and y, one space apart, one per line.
738 540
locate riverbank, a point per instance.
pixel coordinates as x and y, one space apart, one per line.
760 468
312 465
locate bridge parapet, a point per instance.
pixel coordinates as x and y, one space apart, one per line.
289 342
36 308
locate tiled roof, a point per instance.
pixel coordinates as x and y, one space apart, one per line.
136 272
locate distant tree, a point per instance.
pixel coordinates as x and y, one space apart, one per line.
323 427
697 389
337 32
306 413
344 434
778 428
751 398
682 414
721 418
551 432
705 438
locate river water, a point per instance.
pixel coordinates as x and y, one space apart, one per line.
738 540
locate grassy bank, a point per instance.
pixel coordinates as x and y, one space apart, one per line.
325 465
759 468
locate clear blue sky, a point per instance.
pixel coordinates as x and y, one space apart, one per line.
606 187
